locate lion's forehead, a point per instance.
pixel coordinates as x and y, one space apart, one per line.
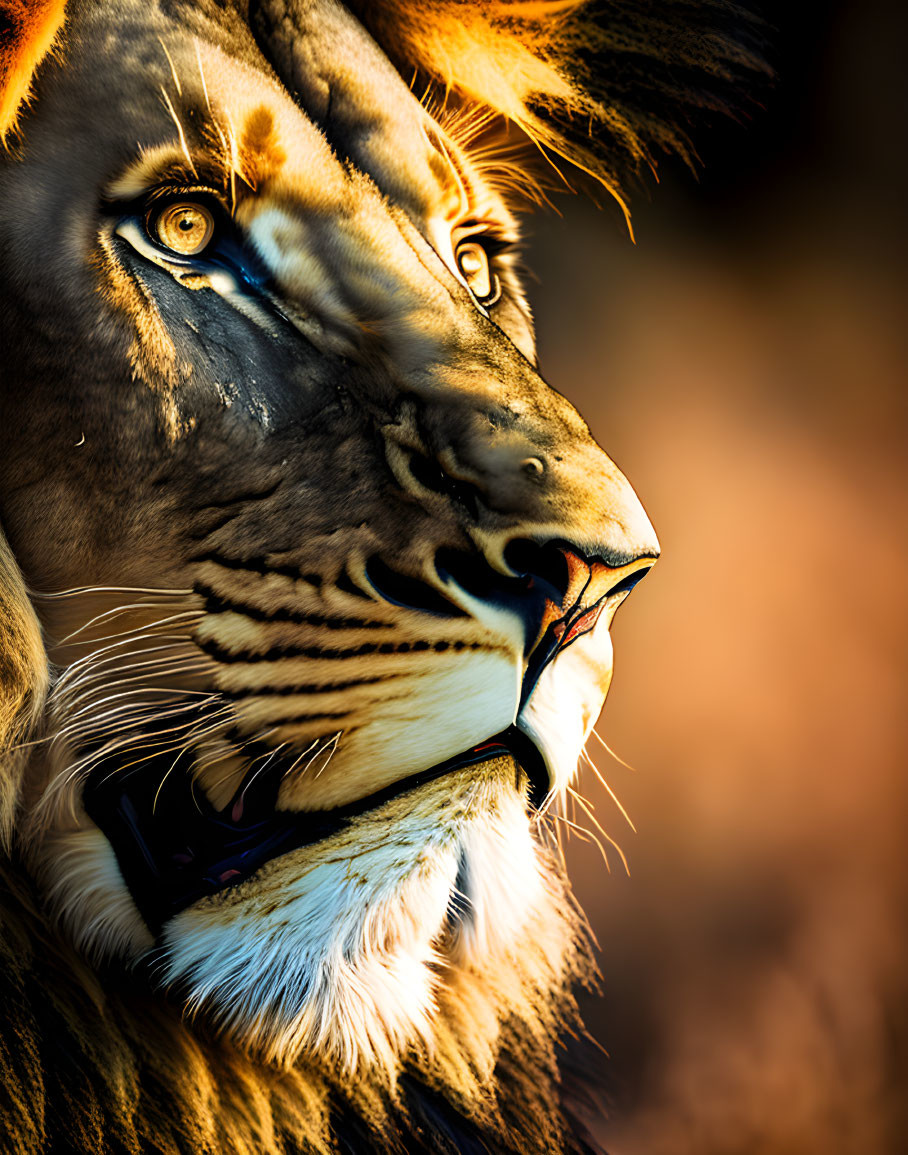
329 168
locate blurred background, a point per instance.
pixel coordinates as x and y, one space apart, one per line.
745 365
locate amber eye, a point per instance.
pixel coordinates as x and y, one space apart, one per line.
186 227
473 262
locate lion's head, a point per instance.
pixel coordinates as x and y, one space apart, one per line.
324 568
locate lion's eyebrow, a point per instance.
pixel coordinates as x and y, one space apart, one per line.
165 164
484 177
447 166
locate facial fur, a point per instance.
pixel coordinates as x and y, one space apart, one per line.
298 514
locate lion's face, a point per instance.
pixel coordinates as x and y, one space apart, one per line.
326 568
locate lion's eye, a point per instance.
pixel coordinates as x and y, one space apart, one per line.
473 262
185 227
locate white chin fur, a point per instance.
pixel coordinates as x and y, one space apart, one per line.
567 700
338 949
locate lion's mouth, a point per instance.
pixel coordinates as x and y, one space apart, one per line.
174 847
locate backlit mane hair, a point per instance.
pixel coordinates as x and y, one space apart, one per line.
603 87
28 29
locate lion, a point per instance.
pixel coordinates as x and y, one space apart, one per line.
306 573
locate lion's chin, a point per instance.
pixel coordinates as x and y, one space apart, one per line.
344 948
341 948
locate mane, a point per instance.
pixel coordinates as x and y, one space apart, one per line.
598 88
28 29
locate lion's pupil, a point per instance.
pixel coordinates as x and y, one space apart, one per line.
185 228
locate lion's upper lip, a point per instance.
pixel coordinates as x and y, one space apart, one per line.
557 591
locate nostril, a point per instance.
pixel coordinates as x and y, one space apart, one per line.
562 572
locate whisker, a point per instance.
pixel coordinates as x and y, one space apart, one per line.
595 733
592 817
181 746
264 766
197 614
90 659
236 752
99 684
132 722
234 162
84 766
198 56
585 836
332 742
173 71
87 683
299 759
132 694
176 120
113 612
81 590
611 793
154 804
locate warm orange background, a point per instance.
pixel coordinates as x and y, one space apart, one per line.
745 365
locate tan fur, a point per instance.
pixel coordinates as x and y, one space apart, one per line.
153 355
23 685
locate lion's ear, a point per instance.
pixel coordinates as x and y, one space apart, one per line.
28 29
23 683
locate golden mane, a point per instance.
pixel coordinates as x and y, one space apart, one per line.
28 29
604 88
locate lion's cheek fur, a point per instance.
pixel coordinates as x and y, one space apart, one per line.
79 873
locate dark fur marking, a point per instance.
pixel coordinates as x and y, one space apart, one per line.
302 688
276 653
218 604
259 565
347 585
410 592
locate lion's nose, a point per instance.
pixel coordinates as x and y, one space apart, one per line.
570 575
569 590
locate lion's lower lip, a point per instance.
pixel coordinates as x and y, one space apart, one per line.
174 848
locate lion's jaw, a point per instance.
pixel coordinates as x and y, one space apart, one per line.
349 947
346 950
